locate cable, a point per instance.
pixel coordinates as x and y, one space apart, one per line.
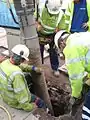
9 116
13 16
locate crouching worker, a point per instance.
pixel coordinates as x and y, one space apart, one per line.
76 50
13 86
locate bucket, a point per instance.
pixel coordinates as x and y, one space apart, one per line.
3 38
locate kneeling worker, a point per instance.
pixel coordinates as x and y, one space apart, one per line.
13 87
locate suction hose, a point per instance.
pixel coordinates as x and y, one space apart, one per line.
9 116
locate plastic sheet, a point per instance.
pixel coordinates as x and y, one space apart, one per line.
6 18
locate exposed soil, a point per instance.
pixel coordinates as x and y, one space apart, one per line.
59 90
59 99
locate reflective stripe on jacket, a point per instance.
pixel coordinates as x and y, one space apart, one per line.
49 21
77 58
69 14
86 107
13 86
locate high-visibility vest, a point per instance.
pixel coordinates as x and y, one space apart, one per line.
49 21
77 59
13 86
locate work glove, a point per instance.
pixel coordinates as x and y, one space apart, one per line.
74 103
40 103
39 26
85 26
71 103
38 70
72 100
86 88
88 82
34 105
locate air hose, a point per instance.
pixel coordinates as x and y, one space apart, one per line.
9 116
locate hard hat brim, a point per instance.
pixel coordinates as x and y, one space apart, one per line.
25 58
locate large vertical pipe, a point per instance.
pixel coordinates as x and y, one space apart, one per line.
30 38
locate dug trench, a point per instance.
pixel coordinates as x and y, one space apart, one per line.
60 101
60 97
59 92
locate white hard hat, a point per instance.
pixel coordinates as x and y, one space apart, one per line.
54 6
58 35
21 50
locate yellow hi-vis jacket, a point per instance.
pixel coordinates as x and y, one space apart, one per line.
77 59
50 21
13 86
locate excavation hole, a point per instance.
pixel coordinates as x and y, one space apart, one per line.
60 97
